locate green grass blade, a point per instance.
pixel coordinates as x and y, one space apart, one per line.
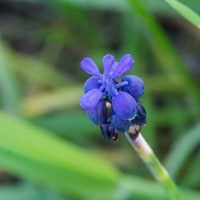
191 178
181 150
34 154
64 123
24 191
8 85
186 12
137 188
163 50
66 97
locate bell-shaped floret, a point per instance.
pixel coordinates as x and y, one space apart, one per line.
120 124
124 105
135 86
140 118
107 131
91 83
89 66
123 66
90 99
98 115
108 61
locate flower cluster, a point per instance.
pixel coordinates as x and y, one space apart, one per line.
112 104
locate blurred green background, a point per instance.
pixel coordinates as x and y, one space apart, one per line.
49 150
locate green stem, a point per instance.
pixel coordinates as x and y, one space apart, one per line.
153 164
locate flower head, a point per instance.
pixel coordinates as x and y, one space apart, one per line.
121 96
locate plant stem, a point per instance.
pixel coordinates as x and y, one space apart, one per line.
153 164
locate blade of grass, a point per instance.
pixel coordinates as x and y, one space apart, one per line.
122 5
32 71
51 101
34 154
185 12
8 85
163 49
64 123
191 178
137 188
24 191
181 150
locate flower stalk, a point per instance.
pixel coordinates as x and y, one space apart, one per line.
113 104
145 152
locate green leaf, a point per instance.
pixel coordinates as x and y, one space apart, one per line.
24 191
8 85
59 99
64 123
164 52
191 178
186 12
137 188
103 4
34 154
122 5
181 150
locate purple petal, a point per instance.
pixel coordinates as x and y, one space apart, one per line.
140 118
91 83
89 66
107 131
113 68
124 105
135 86
98 115
108 61
90 99
120 124
124 65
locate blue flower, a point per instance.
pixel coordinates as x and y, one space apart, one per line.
119 124
98 115
140 118
124 105
108 131
103 89
105 85
135 86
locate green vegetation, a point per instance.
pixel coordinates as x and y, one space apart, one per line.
49 150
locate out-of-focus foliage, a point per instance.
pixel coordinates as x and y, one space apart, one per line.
48 148
186 12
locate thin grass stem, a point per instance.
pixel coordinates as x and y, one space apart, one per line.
145 152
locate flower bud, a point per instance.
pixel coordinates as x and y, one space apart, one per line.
124 105
107 131
91 83
120 124
98 115
135 86
140 118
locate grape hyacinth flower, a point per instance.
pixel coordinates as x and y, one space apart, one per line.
113 104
